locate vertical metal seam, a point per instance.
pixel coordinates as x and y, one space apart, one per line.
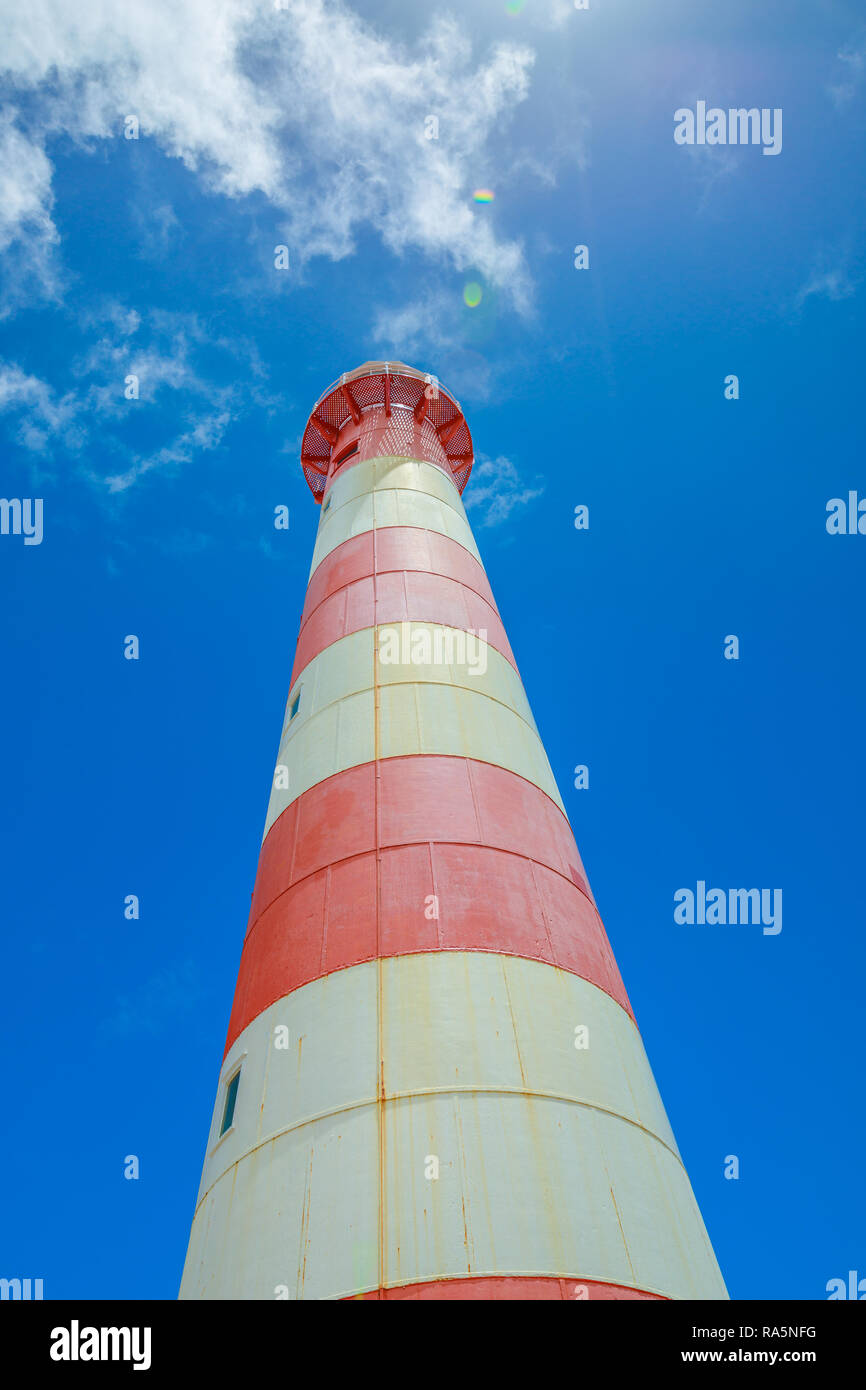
461 1156
435 886
326 901
622 1233
476 805
539 897
504 965
380 1042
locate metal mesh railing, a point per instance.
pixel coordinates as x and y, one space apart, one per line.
406 389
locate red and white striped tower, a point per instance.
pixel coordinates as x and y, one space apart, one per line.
433 1083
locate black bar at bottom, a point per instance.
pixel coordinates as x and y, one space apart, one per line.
66 1337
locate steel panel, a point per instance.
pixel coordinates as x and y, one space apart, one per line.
339 736
300 1212
421 799
329 1066
457 721
484 1022
531 1185
377 904
381 510
358 661
467 1078
397 549
343 669
394 598
453 1021
413 719
388 472
499 681
409 508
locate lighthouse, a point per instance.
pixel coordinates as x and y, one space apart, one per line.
433 1084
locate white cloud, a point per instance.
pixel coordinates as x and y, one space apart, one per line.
28 237
158 228
853 60
203 436
496 488
25 184
307 105
161 351
163 362
412 327
428 333
42 414
172 63
712 165
560 12
831 284
155 1005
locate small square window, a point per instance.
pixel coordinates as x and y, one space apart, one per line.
293 707
231 1097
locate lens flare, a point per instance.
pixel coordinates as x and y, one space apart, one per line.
472 294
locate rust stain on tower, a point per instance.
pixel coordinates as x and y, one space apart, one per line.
422 920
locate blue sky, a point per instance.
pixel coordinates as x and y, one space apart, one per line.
155 256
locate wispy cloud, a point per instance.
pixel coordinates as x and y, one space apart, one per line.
25 185
160 358
154 1006
827 281
849 77
28 236
428 333
496 489
159 228
201 438
713 166
43 415
160 351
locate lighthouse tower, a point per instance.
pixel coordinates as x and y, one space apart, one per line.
433 1085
